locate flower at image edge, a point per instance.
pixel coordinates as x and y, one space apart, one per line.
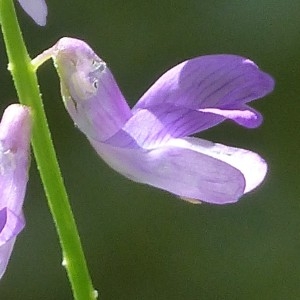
15 131
36 9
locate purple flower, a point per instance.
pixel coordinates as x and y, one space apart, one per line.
15 129
36 9
151 142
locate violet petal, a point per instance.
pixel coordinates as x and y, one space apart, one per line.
15 130
149 128
10 225
250 164
5 253
36 9
145 131
90 93
179 167
223 82
181 121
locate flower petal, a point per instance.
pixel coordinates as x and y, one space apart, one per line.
250 164
15 129
5 253
150 128
247 117
90 93
178 168
221 82
180 121
36 9
143 129
10 225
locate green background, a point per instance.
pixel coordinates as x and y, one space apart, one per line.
140 242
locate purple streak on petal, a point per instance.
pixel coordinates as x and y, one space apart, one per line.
176 167
91 95
214 81
36 9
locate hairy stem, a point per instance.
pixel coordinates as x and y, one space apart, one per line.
25 80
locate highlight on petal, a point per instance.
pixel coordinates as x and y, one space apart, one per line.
36 9
209 84
248 117
15 131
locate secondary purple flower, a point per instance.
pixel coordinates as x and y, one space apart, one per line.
15 129
151 143
36 9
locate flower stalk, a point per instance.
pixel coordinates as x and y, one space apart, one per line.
25 80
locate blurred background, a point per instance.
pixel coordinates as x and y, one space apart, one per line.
140 242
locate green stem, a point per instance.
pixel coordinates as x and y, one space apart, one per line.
24 76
